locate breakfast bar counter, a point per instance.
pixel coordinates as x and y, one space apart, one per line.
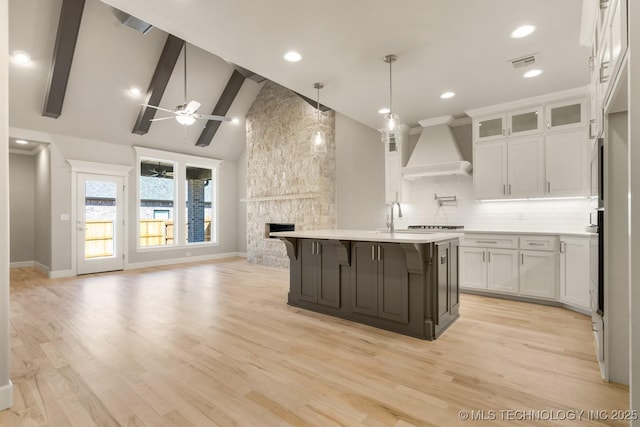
402 282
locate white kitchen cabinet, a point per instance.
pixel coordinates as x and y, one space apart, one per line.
490 169
538 272
525 167
566 115
574 271
489 127
502 270
395 158
523 122
473 268
511 167
567 163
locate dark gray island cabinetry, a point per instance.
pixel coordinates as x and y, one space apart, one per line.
404 283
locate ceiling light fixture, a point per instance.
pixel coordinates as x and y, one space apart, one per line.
318 142
532 73
135 92
235 121
185 119
391 120
522 31
292 56
21 57
383 111
448 95
21 141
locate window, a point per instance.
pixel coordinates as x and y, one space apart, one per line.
160 222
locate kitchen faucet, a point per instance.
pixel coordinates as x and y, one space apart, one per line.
390 217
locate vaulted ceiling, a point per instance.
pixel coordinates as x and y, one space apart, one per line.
109 58
453 45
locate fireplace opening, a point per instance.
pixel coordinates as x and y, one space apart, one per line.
271 227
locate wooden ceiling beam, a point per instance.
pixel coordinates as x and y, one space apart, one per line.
66 38
164 69
313 103
222 107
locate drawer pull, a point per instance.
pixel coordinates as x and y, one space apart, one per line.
535 244
492 242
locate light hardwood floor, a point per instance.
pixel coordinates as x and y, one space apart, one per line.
215 343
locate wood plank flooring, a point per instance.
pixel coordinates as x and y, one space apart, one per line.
214 344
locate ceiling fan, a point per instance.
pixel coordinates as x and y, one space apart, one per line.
186 114
160 172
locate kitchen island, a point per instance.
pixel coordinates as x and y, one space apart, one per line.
406 283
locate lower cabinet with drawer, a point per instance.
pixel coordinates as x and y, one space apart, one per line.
510 264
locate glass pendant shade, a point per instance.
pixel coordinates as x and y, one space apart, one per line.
391 120
185 120
319 143
318 140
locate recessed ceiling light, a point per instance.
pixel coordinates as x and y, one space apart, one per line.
447 95
522 31
135 91
532 73
292 56
383 110
21 57
21 141
235 121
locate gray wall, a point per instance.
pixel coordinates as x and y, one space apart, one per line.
22 174
64 148
42 217
359 175
241 186
617 235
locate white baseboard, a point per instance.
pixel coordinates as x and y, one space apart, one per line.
19 264
171 261
42 267
6 396
61 273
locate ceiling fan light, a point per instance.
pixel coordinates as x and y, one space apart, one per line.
185 119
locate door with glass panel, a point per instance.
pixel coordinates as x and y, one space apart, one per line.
100 223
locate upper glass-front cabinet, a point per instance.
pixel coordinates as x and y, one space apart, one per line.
489 127
566 115
524 122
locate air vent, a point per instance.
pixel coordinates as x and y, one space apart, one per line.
523 61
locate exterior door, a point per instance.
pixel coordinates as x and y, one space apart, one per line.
100 223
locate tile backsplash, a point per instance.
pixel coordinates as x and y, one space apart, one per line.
420 207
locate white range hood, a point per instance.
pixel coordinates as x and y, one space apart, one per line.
436 152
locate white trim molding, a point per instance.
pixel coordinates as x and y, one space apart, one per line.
172 261
6 396
99 168
20 264
58 274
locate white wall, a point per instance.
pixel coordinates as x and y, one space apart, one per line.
64 148
359 175
617 253
241 186
6 389
634 203
43 207
22 174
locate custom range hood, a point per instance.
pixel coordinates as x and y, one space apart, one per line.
436 152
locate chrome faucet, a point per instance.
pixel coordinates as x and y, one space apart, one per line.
390 216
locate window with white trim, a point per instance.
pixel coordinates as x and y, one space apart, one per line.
167 181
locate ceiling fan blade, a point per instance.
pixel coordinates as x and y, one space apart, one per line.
157 108
212 117
160 118
192 106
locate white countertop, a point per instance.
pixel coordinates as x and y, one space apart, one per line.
368 236
542 232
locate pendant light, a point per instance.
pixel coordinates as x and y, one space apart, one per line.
391 120
318 141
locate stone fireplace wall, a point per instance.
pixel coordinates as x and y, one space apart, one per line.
286 182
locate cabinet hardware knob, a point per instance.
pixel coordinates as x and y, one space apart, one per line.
483 258
509 189
379 253
548 186
522 259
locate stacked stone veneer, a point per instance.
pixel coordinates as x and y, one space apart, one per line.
286 182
